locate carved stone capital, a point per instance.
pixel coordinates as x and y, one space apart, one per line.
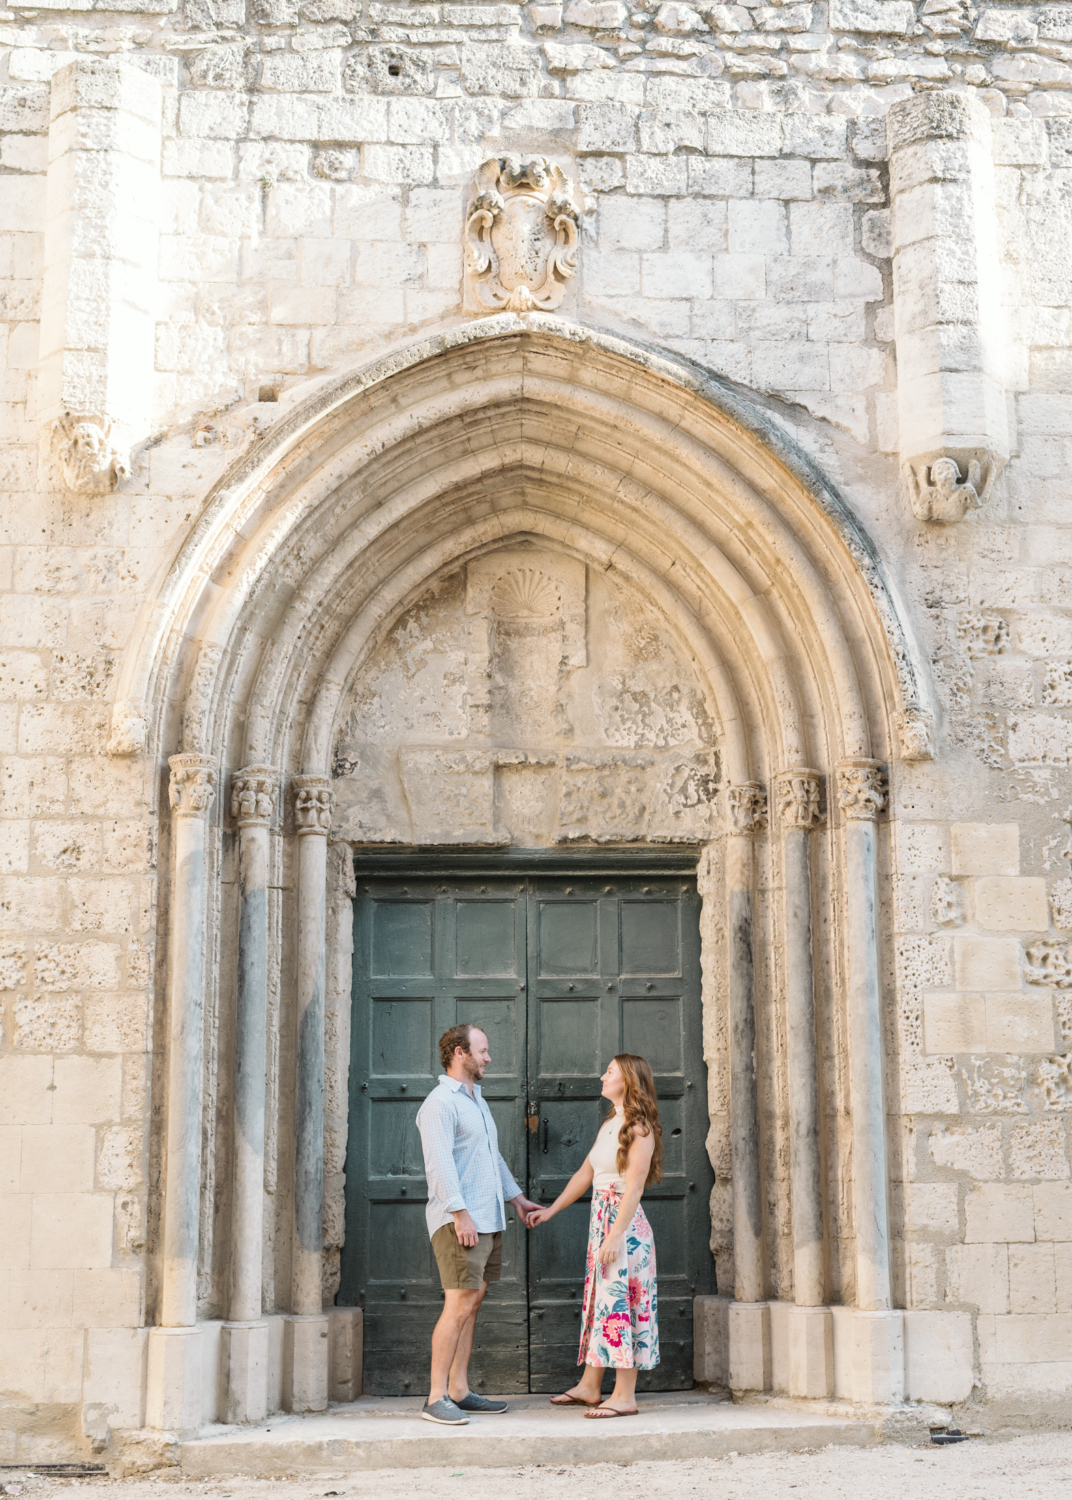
253 793
193 785
520 236
313 801
862 788
797 795
90 454
746 807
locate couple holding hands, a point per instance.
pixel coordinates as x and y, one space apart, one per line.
468 1183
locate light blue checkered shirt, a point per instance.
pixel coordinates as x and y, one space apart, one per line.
461 1158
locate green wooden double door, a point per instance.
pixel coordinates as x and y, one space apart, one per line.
561 974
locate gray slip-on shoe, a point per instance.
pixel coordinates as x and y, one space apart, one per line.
473 1402
445 1412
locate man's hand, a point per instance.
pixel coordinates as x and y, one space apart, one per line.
525 1208
465 1229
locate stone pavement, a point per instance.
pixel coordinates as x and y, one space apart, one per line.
387 1432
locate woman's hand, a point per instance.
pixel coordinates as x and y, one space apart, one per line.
610 1249
540 1216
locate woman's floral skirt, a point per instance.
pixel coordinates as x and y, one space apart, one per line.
620 1318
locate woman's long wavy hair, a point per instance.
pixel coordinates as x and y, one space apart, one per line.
641 1113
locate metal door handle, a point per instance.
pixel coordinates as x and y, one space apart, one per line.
545 1124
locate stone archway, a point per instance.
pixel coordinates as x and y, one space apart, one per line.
506 433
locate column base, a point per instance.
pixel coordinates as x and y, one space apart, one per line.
732 1343
243 1372
173 1381
810 1338
346 1350
305 1362
878 1362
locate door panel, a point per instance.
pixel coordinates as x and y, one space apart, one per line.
609 968
631 985
425 957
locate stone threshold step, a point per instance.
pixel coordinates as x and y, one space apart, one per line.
379 1433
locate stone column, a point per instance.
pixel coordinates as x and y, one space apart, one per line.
244 1348
811 1333
305 1355
748 1314
173 1400
879 1348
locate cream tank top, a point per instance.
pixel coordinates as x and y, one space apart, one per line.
604 1155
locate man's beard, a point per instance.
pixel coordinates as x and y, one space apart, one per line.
473 1070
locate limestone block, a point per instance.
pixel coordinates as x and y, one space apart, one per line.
1011 903
954 1023
87 1090
997 1213
115 1374
985 848
748 1336
939 1356
108 1297
1053 1210
346 1352
710 1335
1019 1023
977 1152
71 1230
25 1095
173 1385
1062 1260
1039 1150
57 1158
1032 1279
878 1375
931 1208
978 1274
36 1301
986 963
810 1334
243 1372
305 1363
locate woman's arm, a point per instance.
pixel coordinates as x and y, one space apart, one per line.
636 1175
579 1183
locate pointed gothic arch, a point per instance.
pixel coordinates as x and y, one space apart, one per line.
304 555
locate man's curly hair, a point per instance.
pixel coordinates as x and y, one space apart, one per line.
457 1036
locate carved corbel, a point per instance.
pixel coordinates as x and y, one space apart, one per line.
944 489
90 454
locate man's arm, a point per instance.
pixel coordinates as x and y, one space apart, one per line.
437 1123
512 1193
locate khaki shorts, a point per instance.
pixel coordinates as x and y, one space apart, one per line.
464 1270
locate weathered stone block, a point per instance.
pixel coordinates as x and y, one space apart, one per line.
996 1213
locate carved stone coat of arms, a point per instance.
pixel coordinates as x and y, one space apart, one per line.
520 236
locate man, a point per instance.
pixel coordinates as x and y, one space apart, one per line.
467 1183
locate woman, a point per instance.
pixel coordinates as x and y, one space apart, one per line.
619 1319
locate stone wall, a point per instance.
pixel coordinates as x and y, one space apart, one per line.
262 200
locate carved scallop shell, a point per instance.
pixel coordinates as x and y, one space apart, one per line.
525 594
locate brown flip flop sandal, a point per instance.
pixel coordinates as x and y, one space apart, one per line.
567 1400
601 1413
